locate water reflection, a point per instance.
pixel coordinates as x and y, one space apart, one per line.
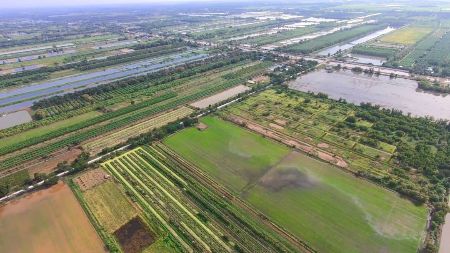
401 94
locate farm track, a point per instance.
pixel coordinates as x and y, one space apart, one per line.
204 179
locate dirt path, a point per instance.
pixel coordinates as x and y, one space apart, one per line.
445 236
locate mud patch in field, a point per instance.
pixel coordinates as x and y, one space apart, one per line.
279 179
134 236
202 126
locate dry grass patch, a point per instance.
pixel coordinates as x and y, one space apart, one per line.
407 36
109 205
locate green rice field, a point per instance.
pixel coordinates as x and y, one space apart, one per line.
328 208
226 152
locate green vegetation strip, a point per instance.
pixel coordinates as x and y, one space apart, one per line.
374 51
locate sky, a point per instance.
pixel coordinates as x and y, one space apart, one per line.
58 3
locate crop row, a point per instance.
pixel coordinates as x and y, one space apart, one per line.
118 123
279 36
213 199
198 218
167 201
134 56
84 124
133 131
439 54
129 92
421 48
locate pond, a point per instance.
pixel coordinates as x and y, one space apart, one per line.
401 94
365 59
14 119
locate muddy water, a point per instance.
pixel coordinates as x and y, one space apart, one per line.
49 220
401 94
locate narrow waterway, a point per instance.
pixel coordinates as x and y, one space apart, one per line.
22 97
342 47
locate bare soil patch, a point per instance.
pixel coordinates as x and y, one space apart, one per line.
275 126
49 164
134 236
219 97
281 122
91 179
323 145
261 79
201 126
47 221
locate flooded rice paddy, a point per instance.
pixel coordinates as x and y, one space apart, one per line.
401 94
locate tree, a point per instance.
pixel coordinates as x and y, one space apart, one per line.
351 119
51 181
39 176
